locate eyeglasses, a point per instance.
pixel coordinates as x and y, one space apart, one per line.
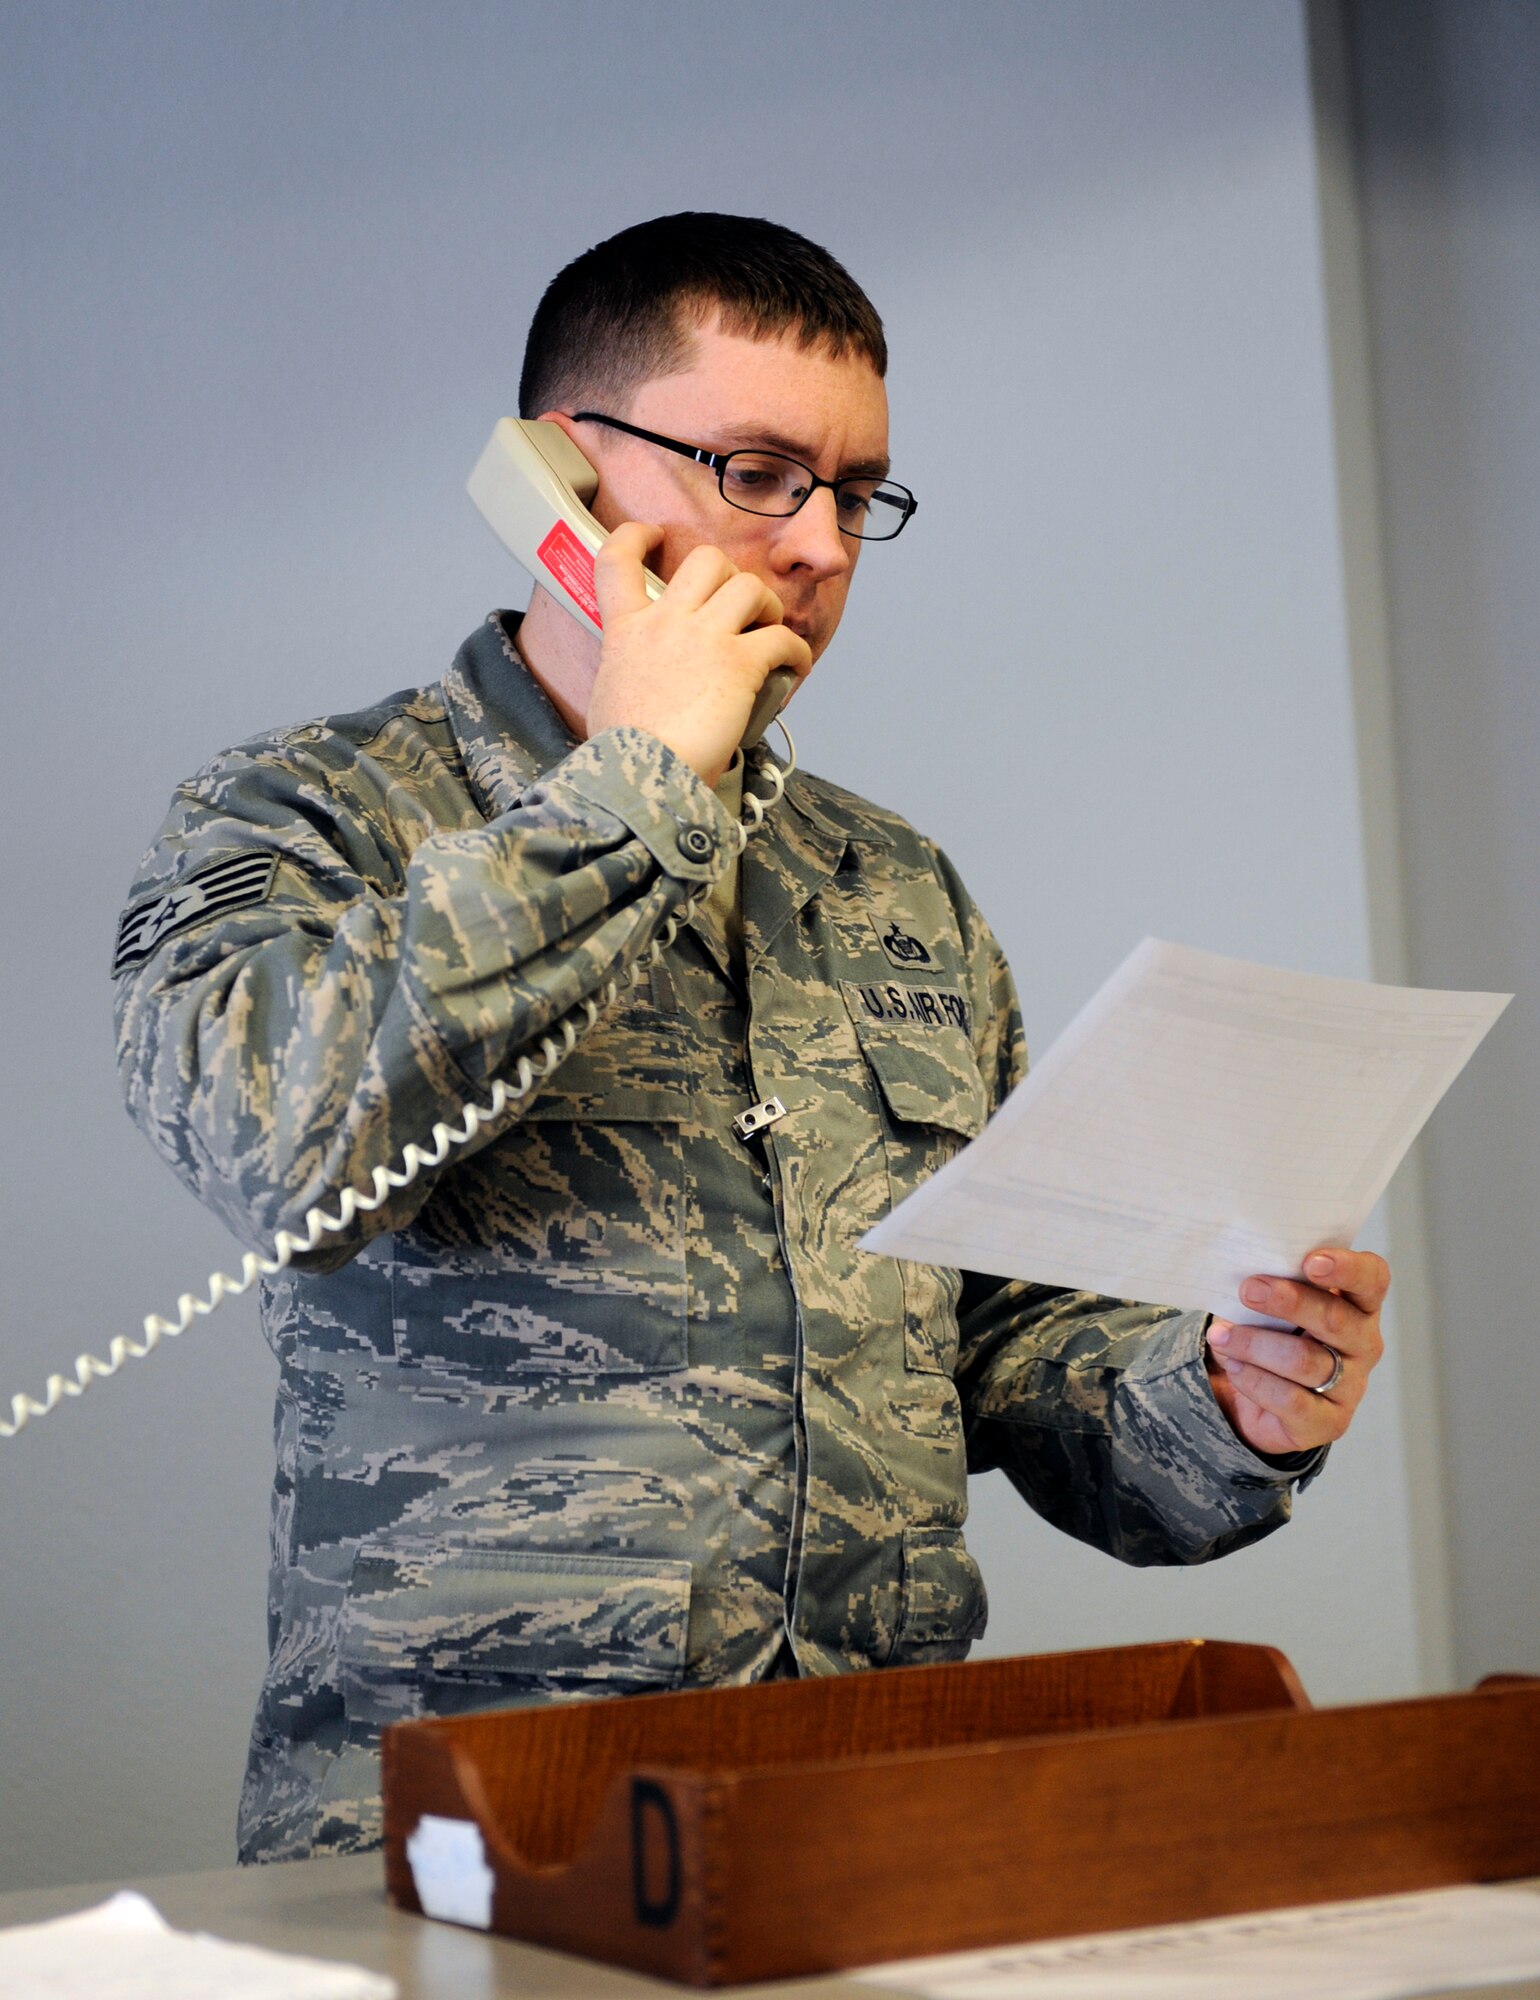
765 482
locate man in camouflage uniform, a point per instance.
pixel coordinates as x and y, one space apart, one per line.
612 1401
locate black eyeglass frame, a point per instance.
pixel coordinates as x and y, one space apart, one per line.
718 461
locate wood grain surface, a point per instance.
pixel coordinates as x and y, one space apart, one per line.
795 1828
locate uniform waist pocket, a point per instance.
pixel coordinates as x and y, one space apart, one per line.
945 1606
432 1630
514 1622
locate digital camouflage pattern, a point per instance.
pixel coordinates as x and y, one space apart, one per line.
613 1401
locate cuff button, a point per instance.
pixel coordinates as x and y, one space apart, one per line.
696 844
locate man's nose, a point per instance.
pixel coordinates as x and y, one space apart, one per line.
811 539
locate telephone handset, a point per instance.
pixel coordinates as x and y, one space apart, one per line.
530 483
533 486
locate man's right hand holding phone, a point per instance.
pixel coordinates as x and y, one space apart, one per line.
686 666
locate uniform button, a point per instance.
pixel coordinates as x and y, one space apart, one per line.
695 844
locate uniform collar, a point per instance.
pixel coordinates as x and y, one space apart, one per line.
838 815
802 848
506 725
510 734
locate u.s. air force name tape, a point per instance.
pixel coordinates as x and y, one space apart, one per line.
223 886
924 1006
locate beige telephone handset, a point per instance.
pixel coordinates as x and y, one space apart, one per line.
528 483
533 486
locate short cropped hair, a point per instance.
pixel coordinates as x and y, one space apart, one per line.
626 311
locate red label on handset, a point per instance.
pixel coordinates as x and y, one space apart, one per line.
573 568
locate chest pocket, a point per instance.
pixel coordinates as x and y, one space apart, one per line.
932 1102
560 1250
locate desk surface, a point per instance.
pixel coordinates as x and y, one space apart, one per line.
337 1909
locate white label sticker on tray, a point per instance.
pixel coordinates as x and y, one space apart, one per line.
450 1870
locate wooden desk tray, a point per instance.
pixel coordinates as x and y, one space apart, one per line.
798 1827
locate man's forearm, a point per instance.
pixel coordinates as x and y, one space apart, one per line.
1101 1415
283 1053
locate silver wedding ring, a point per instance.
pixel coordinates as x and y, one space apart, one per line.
1325 1388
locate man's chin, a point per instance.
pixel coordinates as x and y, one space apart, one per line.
816 634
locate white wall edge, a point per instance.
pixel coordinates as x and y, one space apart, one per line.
1366 599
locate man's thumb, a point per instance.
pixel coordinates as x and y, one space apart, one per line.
619 582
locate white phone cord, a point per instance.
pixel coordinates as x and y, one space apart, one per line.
555 1047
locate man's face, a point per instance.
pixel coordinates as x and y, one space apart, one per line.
771 394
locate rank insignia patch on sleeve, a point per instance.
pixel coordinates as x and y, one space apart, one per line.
213 891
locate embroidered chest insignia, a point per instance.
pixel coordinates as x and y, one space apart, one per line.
225 885
904 949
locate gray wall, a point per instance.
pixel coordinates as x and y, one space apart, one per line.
269 268
1443 108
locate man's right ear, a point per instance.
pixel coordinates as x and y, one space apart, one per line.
574 431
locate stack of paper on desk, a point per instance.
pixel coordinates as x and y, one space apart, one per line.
125 1950
1383 1948
1201 1119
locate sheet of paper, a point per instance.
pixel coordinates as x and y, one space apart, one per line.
125 1950
1384 1948
1200 1119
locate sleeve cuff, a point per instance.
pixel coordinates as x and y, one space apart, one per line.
1170 1380
668 806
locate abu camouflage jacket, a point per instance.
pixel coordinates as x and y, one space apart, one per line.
612 1401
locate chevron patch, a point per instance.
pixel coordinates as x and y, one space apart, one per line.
208 892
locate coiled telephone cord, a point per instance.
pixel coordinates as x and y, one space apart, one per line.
555 1046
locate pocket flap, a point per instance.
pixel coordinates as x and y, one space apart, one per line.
427 1611
927 1076
945 1605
